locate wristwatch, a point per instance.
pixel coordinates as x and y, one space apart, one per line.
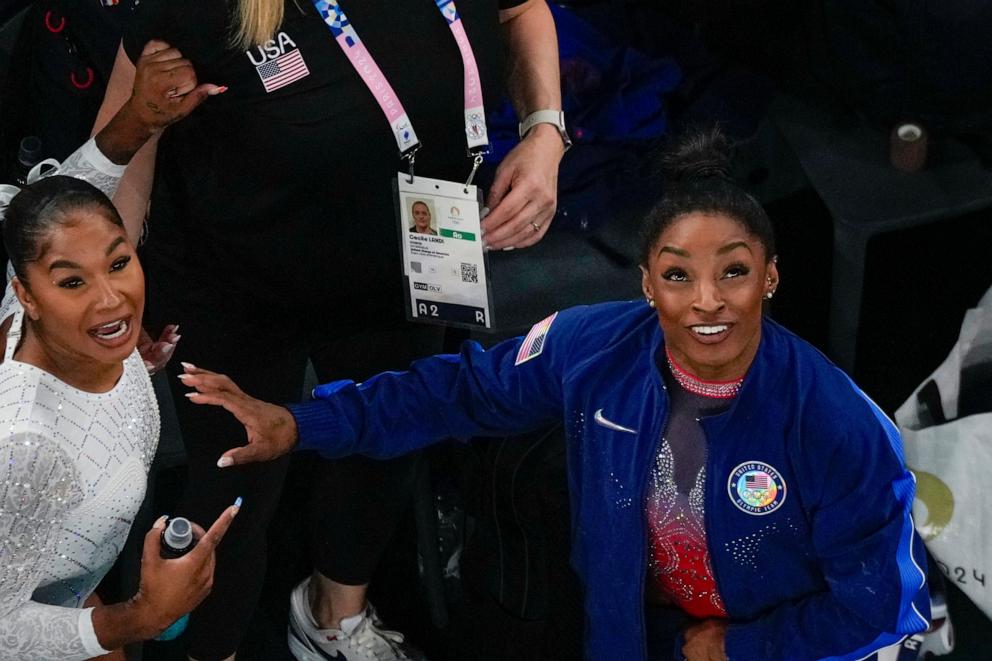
554 117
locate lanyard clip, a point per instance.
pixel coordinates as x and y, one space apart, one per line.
477 158
411 158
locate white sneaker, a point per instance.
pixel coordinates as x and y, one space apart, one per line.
358 639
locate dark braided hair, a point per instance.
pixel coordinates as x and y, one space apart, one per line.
697 172
41 208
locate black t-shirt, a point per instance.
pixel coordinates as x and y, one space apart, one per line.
279 203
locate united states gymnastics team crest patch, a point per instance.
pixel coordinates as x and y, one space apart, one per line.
756 488
533 344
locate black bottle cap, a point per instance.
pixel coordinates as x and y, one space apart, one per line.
29 153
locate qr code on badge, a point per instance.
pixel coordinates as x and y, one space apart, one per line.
470 272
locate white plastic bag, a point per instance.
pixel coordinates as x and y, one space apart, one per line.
946 428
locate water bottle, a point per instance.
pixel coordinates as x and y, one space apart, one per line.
177 541
28 155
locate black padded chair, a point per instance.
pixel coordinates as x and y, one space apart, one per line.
847 163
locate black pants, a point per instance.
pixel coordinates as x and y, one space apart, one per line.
355 503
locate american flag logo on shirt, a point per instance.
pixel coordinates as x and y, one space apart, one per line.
533 344
283 70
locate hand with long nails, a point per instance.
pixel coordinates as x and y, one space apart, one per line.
167 589
156 353
166 88
271 429
170 588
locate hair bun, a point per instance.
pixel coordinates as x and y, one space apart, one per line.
698 154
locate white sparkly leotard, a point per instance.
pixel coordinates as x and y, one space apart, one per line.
73 469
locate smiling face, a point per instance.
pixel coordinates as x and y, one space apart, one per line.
85 292
707 276
421 216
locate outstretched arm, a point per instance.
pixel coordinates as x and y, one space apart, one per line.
513 387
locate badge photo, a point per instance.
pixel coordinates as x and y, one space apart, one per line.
756 488
421 216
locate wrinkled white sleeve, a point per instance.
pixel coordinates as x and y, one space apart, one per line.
90 164
38 488
9 304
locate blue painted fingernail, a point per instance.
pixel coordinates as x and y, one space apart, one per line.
237 502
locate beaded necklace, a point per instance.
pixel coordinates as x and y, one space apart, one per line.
695 385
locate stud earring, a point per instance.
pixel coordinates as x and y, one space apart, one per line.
651 302
769 295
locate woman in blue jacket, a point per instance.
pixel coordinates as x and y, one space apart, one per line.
723 474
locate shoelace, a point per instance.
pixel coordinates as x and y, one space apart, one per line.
380 643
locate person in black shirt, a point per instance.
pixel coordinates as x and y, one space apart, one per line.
272 238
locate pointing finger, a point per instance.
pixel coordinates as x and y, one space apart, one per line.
212 537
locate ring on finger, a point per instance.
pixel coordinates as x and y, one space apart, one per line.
172 92
536 226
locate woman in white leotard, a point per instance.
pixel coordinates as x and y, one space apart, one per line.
78 418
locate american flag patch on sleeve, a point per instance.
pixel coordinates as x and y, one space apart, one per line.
533 344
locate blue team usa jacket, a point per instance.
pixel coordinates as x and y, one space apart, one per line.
808 499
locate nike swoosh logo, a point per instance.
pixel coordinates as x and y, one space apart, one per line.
603 422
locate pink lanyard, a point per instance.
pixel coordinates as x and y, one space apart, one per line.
406 138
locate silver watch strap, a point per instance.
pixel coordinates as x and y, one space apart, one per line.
554 117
